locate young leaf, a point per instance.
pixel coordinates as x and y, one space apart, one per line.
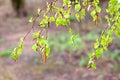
38 11
77 7
21 39
52 19
35 34
35 47
31 19
96 44
48 51
93 65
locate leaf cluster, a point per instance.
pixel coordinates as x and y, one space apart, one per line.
60 15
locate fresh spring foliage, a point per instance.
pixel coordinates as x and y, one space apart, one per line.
7 53
60 15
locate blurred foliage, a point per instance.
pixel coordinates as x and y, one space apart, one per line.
83 61
72 18
91 36
116 68
62 42
7 53
114 55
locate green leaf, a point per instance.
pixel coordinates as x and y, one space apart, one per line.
19 51
52 19
98 9
91 55
117 32
20 45
38 11
77 16
31 19
96 44
43 22
103 40
61 21
65 2
93 14
71 31
99 52
21 39
48 51
77 7
35 47
16 53
82 13
36 34
42 41
67 15
93 65
14 56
